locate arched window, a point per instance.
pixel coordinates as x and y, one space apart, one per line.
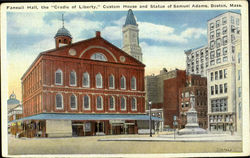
86 102
85 80
123 82
73 102
98 79
59 77
99 103
134 104
111 82
98 56
59 101
133 83
123 103
111 103
72 78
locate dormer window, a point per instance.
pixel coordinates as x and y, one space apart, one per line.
98 56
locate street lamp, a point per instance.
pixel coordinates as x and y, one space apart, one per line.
150 119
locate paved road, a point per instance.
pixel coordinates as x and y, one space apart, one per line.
91 145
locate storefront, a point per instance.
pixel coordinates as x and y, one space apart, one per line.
63 125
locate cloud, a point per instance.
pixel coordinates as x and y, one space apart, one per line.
193 33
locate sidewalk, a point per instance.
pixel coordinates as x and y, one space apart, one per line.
183 138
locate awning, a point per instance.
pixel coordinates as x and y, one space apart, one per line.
67 116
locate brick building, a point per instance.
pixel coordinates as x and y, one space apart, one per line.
197 85
163 91
90 87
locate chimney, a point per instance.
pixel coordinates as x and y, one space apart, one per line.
98 34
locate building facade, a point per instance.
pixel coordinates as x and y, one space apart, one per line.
196 85
197 61
90 87
239 104
223 31
165 93
131 37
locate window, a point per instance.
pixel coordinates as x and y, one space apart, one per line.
72 78
212 90
224 20
98 79
133 83
217 52
58 77
216 89
123 82
98 56
221 88
224 40
219 105
186 94
211 26
218 33
237 21
232 38
225 87
99 103
240 108
59 101
239 91
73 102
232 20
111 103
225 51
238 30
85 81
217 23
220 74
212 62
111 82
211 54
239 74
212 76
225 73
233 49
218 41
123 103
212 45
239 57
134 103
233 29
216 75
212 35
218 61
224 30
224 59
86 102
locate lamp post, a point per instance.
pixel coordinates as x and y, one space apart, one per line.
150 119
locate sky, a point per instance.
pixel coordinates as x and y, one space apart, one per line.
163 36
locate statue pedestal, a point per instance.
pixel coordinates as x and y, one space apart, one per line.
192 126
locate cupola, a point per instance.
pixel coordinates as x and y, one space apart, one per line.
63 36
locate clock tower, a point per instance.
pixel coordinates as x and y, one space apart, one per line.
131 37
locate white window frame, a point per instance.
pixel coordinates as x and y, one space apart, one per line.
60 71
101 103
89 107
70 78
124 82
135 109
133 88
125 104
59 108
97 86
111 75
113 102
75 102
88 85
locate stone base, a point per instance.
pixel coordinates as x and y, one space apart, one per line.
53 135
100 134
195 130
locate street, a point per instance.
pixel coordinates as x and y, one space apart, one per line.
91 145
